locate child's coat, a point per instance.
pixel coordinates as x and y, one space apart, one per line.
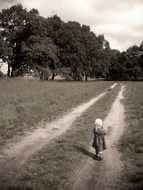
99 139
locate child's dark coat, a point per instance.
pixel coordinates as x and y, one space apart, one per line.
99 139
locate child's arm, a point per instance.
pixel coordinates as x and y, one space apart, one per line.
101 131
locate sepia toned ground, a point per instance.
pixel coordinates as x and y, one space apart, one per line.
57 155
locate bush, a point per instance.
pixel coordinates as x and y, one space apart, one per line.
45 74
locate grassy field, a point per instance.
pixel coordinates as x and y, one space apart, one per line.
27 104
52 168
131 144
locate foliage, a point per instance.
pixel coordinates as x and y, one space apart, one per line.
31 42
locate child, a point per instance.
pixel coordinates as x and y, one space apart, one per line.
99 139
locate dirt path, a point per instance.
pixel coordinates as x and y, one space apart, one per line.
18 153
102 175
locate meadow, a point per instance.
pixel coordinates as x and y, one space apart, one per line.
28 104
55 165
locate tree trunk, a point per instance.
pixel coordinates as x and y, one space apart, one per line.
41 75
12 72
135 77
53 76
86 77
13 69
8 71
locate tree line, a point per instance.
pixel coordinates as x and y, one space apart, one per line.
49 47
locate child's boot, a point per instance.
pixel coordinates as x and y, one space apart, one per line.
100 157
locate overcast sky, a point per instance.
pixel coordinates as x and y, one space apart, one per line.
120 21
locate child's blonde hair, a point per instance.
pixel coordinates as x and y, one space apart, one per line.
98 123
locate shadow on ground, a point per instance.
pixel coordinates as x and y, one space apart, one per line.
85 152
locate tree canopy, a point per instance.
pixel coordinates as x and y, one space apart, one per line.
50 47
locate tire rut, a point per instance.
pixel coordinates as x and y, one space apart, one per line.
104 174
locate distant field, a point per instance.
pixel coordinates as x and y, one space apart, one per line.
26 104
132 141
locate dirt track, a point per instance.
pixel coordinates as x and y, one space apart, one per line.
18 153
102 175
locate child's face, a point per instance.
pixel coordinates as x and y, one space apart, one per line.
97 125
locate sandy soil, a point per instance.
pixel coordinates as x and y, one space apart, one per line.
102 175
18 153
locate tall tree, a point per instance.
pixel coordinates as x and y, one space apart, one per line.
141 56
39 53
14 23
55 30
133 58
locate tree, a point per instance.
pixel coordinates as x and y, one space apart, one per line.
55 30
103 60
12 22
141 57
2 48
15 24
67 37
133 60
39 53
97 55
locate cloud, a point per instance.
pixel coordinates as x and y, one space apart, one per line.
120 21
8 3
120 36
115 42
122 41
